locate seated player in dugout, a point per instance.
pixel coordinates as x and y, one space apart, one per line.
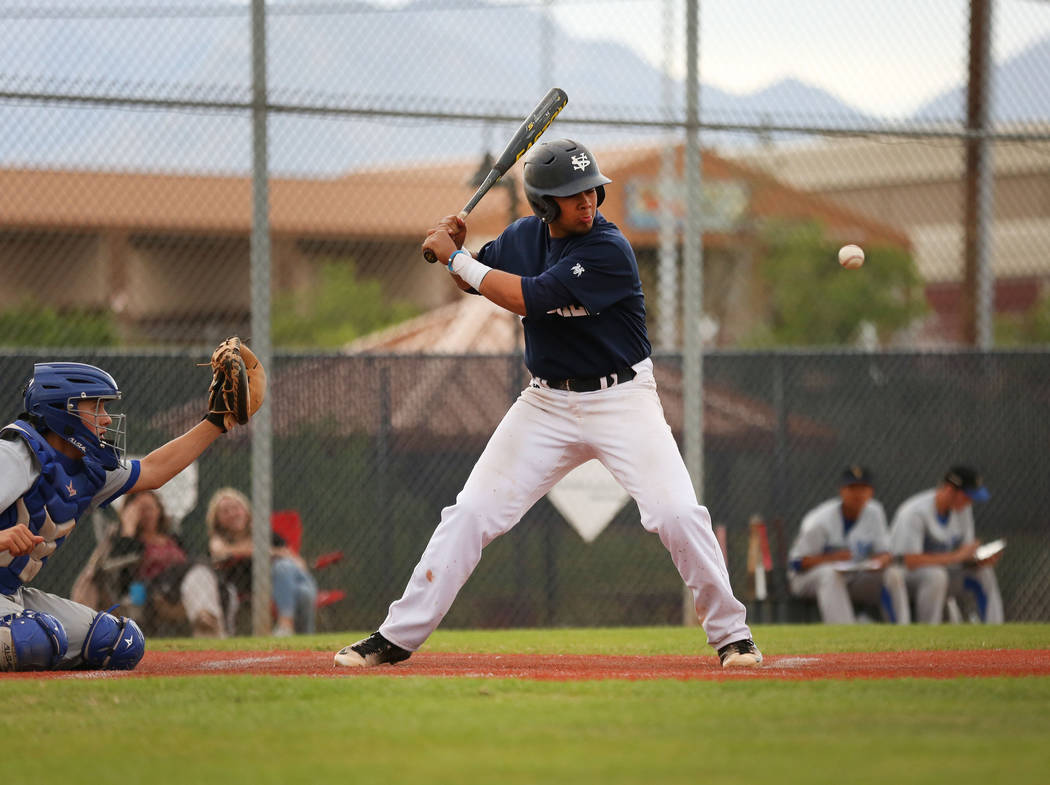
573 278
59 460
933 536
841 555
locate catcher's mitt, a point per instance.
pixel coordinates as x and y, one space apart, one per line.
238 384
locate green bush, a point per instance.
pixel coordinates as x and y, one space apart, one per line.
1024 329
338 308
31 323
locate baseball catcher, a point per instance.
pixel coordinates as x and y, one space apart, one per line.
238 385
62 458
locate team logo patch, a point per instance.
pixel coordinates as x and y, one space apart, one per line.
570 311
71 490
577 269
580 162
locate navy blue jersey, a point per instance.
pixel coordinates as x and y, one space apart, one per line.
583 298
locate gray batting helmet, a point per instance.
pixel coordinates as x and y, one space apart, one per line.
560 167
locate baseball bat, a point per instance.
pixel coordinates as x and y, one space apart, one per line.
526 135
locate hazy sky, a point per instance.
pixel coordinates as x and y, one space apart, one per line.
885 57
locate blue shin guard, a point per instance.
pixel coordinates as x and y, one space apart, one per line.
113 643
31 641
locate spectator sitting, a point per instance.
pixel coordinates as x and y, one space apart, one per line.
841 555
933 537
229 522
142 552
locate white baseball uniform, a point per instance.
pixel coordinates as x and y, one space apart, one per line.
824 529
917 528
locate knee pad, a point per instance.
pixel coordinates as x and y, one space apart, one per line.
31 641
113 643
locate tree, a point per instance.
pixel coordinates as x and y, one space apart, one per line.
814 302
338 308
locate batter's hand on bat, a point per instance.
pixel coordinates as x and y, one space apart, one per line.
456 228
441 244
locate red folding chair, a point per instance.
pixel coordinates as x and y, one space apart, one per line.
289 525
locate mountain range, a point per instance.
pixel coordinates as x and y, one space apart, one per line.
380 62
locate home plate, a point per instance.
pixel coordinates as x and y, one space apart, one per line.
792 662
240 662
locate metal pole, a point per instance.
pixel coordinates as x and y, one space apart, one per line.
262 430
667 270
977 297
692 263
546 46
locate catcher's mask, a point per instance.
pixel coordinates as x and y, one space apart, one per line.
51 400
560 167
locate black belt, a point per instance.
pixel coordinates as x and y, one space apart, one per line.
618 376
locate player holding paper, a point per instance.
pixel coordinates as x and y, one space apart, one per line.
60 459
573 278
933 536
841 555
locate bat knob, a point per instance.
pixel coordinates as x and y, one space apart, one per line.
429 255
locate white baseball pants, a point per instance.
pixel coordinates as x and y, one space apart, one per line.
544 435
931 587
835 592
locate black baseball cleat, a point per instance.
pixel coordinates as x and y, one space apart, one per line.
371 651
740 654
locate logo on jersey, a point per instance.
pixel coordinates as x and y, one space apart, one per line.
580 162
577 269
570 311
71 490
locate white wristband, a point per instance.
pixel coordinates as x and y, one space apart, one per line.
468 268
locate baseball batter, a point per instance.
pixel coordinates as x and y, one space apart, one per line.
572 277
60 459
932 534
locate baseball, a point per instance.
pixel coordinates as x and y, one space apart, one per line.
851 256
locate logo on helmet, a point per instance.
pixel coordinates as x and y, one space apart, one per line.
580 162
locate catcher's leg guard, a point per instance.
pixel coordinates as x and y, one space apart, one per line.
31 641
113 643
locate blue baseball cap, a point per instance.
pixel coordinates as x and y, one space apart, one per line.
968 481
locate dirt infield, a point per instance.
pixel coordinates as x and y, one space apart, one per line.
882 665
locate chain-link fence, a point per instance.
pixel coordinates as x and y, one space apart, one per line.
361 458
126 155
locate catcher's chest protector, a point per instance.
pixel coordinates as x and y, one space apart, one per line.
50 508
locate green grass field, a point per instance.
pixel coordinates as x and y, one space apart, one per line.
268 729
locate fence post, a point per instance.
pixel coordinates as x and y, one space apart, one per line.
262 424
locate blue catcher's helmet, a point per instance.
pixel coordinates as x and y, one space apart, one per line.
51 398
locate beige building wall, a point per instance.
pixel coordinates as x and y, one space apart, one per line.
66 269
